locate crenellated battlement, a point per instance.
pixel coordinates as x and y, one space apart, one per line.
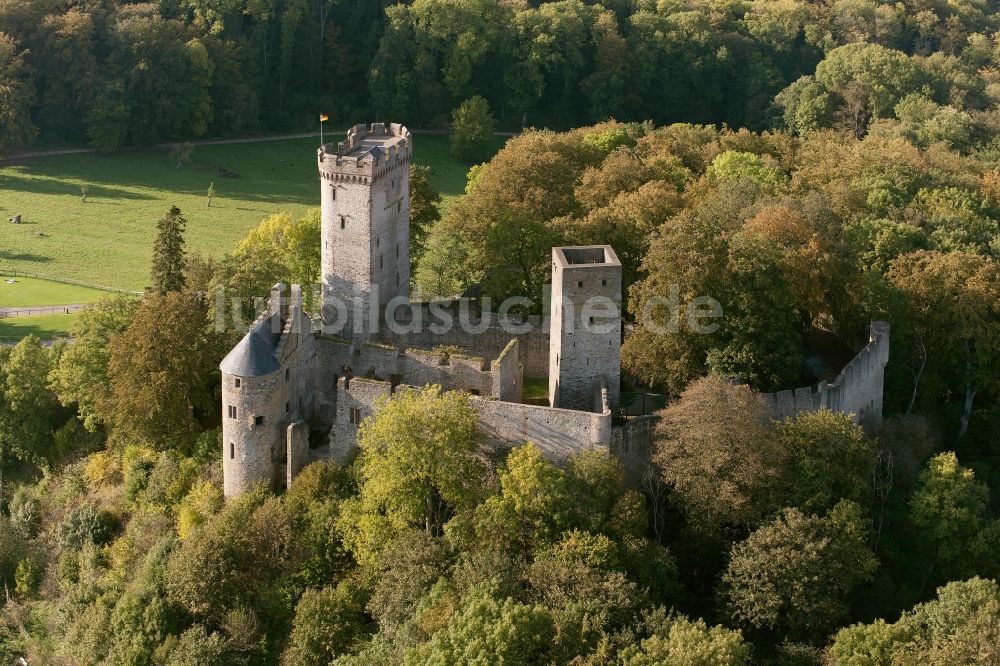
857 390
369 153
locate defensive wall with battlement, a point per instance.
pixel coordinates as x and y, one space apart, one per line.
557 432
857 390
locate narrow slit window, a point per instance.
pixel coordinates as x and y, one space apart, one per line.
232 450
333 192
288 407
580 284
287 373
232 411
343 222
238 381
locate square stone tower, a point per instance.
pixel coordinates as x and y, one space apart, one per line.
585 326
365 185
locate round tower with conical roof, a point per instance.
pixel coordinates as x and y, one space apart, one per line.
252 407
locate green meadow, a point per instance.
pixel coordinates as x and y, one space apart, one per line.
108 240
26 291
45 327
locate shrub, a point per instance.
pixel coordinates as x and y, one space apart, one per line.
472 128
27 576
25 513
101 469
85 524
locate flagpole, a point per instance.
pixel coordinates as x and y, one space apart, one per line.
321 132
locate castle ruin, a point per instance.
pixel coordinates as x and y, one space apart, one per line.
295 391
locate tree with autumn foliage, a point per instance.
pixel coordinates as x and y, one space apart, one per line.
163 373
953 305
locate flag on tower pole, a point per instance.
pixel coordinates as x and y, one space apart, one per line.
322 119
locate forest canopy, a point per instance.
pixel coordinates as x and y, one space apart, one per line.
115 73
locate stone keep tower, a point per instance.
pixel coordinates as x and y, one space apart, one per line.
365 186
585 326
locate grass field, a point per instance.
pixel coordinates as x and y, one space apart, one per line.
44 326
30 291
108 240
535 387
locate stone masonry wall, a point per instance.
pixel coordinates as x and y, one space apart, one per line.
297 453
362 395
255 452
508 377
248 448
346 258
632 444
412 366
585 333
365 224
484 333
557 432
857 390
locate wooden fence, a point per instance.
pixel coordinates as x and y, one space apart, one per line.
52 278
40 310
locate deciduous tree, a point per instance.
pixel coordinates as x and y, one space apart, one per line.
792 576
163 372
81 376
472 128
17 95
954 304
716 451
417 466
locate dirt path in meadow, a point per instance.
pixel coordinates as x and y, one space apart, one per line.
18 158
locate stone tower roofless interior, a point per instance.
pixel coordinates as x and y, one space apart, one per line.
292 395
586 325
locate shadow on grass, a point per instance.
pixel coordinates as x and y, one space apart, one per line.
281 172
23 256
11 330
43 184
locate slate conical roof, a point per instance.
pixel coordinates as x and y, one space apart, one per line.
254 355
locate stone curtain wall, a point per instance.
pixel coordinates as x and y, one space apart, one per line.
557 432
362 395
508 378
857 390
487 337
297 454
413 366
632 444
